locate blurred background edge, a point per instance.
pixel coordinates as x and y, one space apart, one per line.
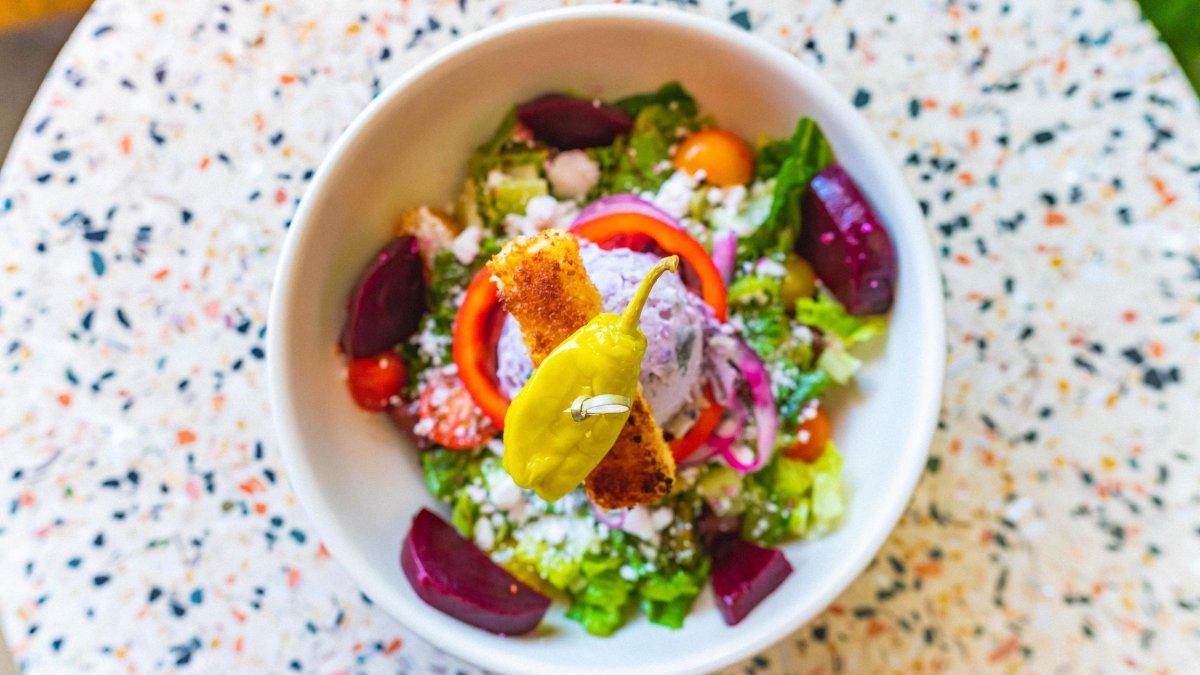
33 31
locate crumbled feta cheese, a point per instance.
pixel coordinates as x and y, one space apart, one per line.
495 179
572 174
639 523
505 493
504 555
476 493
465 246
423 426
485 536
627 573
554 533
662 517
541 213
496 446
430 344
676 193
770 268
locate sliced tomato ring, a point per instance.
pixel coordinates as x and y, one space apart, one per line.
636 231
476 331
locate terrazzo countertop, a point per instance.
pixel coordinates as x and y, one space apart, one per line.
146 523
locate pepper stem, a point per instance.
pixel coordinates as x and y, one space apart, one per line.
633 311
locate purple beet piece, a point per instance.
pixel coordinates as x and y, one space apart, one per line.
847 245
451 574
388 302
743 574
567 123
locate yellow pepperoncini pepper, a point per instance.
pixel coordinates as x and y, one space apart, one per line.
570 412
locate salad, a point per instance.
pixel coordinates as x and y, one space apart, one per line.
612 353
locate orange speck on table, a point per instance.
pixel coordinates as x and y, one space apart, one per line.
287 79
185 436
1005 650
64 399
252 486
393 647
927 569
1055 218
293 577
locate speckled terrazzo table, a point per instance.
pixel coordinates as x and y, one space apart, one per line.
145 521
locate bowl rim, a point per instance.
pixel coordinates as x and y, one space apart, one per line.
928 391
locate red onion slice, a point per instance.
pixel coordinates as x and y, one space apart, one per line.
724 254
613 522
766 418
623 203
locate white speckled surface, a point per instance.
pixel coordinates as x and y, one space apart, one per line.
144 520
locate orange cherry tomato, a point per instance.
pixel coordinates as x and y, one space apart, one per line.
724 158
375 381
811 436
448 416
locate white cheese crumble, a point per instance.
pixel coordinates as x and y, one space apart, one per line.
465 246
541 213
572 174
639 523
675 195
485 536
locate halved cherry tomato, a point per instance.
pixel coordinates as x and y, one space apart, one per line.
811 436
619 229
724 158
450 414
375 380
699 432
476 329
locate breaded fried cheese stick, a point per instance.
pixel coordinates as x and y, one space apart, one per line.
543 284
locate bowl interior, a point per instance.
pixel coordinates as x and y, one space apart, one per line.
359 478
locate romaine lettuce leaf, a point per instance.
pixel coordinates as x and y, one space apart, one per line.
798 159
826 313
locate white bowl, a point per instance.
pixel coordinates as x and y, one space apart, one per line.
361 481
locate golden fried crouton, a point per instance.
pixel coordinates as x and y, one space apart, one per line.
433 230
545 287
639 469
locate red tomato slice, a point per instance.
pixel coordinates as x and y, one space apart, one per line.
375 380
452 418
811 437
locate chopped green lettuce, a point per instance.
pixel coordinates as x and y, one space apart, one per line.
670 95
826 313
641 161
838 363
790 498
448 471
